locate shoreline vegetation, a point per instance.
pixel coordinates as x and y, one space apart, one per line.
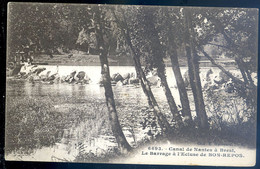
80 58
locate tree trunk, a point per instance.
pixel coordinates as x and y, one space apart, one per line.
169 97
193 68
163 123
158 54
181 86
176 70
110 102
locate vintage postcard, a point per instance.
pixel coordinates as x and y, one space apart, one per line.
131 84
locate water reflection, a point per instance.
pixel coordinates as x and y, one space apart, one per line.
93 90
24 88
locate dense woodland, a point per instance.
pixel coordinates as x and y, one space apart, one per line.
149 35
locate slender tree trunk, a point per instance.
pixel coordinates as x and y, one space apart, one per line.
176 70
181 86
193 68
169 96
163 123
110 102
158 54
242 70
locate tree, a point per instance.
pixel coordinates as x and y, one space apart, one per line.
157 54
193 67
235 30
102 46
125 29
171 35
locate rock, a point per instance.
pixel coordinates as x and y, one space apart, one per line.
33 68
38 70
35 78
76 78
82 78
72 74
57 79
87 78
63 79
70 77
67 78
51 82
133 81
125 82
44 75
153 80
81 75
84 81
52 77
119 83
126 76
117 77
132 75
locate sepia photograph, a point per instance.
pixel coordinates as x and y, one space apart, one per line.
129 84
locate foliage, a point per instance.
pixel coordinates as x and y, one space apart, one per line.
230 114
34 123
31 124
104 156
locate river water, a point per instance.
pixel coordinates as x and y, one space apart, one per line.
128 98
24 88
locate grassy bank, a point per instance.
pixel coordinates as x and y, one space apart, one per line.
33 123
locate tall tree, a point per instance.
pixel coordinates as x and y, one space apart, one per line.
172 37
157 55
125 29
193 68
103 46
